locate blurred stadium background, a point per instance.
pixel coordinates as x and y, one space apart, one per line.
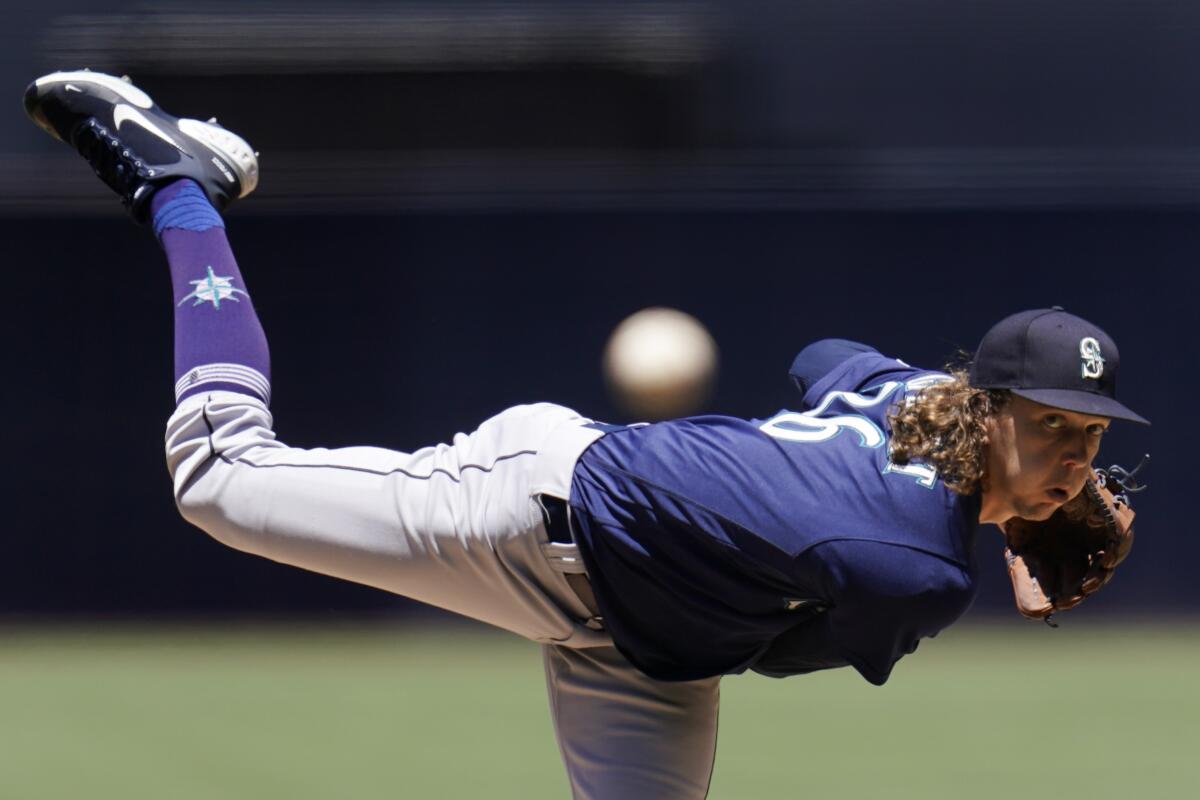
459 201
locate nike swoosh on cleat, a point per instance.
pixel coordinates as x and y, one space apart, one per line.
82 78
124 113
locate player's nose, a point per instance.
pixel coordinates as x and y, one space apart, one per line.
1078 450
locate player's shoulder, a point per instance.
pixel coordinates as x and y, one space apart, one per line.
821 357
871 373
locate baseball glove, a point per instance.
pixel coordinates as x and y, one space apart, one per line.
1056 563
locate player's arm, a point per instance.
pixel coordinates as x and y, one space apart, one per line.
882 599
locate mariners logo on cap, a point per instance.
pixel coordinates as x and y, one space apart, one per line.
1093 362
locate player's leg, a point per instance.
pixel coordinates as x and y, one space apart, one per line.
623 734
454 525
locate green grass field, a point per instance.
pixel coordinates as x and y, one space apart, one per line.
984 711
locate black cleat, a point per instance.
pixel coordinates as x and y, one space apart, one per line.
133 145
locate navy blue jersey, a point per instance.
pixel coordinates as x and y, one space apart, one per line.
717 544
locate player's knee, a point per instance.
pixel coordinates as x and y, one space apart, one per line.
203 503
200 509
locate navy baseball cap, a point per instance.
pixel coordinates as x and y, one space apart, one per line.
1053 358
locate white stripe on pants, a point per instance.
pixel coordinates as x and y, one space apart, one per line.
456 526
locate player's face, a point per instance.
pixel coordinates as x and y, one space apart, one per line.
1038 458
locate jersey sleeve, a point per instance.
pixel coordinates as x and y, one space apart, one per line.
881 601
820 358
858 373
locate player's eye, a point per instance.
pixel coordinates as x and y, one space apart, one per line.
1054 421
1097 430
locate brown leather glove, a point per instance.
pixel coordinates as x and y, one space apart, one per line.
1056 563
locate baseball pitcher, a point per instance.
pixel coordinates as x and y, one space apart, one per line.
647 560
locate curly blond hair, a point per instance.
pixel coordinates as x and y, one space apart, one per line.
944 426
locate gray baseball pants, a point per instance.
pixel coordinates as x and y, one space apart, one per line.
457 526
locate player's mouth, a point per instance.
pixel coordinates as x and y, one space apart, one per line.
1058 494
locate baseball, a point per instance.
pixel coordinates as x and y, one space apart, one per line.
660 363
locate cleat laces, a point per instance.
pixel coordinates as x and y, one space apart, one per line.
113 162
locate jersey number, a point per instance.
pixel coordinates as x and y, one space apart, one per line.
808 427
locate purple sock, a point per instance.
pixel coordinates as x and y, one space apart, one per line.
219 342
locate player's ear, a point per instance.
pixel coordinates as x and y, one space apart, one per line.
996 424
989 428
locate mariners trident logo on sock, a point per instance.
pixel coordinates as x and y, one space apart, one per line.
213 289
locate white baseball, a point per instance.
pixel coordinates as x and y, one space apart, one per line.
660 363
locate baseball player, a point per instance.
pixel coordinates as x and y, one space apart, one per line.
648 560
